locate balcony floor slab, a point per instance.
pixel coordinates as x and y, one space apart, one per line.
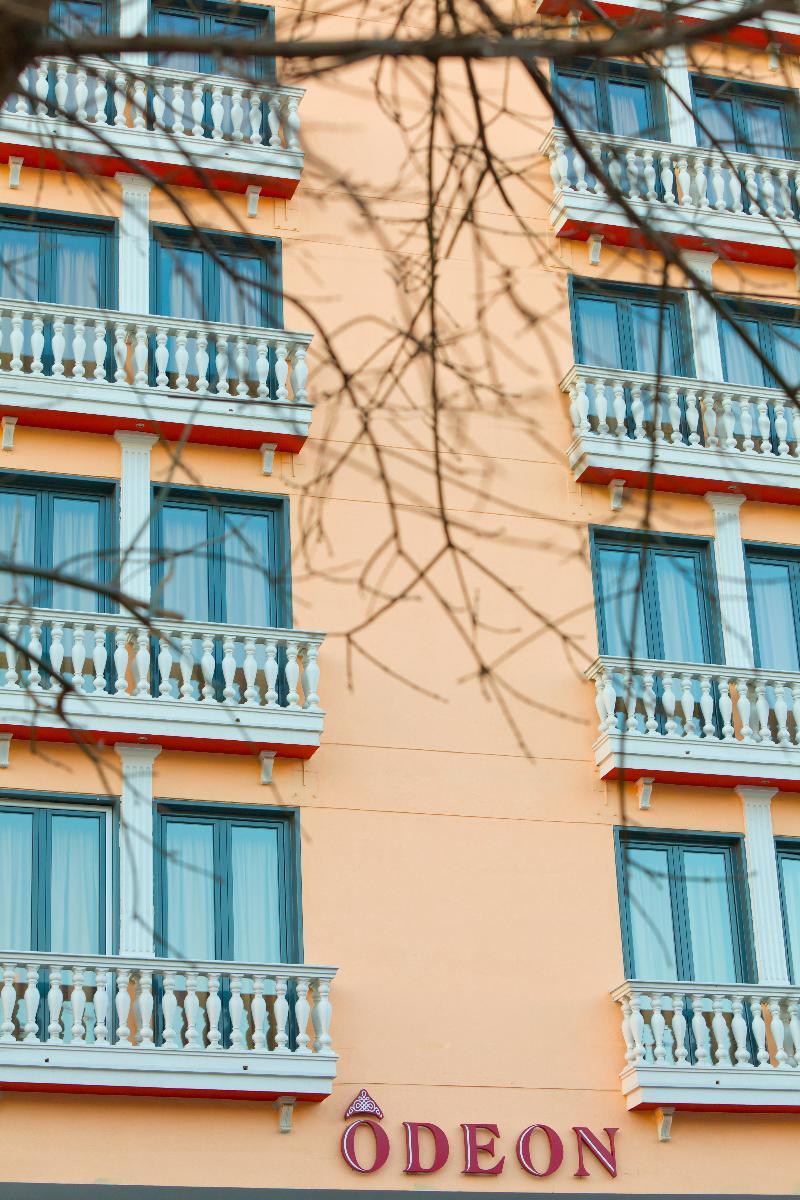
711 1089
704 762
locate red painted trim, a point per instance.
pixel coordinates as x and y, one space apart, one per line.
174 174
97 1089
737 251
198 745
171 431
768 494
696 780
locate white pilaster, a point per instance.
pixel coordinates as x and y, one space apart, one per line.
134 243
731 579
679 97
136 909
762 882
705 332
133 20
135 514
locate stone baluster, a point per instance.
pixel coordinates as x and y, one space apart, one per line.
674 412
778 1031
781 710
162 359
141 663
159 105
650 176
630 699
274 123
762 712
657 1026
632 173
794 1029
61 89
237 1014
637 412
667 177
796 711
256 137
688 705
620 408
601 405
17 338
321 1016
271 674
751 189
707 706
42 88
32 998
743 707
727 422
186 665
699 1031
229 668
768 192
684 182
122 1004
56 654
78 1002
718 185
99 348
165 661
140 356
784 194
120 354
735 188
719 1028
207 668
121 661
281 372
669 703
579 406
300 375
144 1008
292 123
250 671
101 1000
262 369
213 1012
292 674
759 1033
8 1002
649 702
765 446
181 360
201 362
781 425
139 104
58 345
740 1034
710 420
595 150
242 367
223 387
169 1008
78 656
120 99
302 1011
281 1014
725 709
198 109
237 115
637 1030
22 107
34 655
258 1014
99 659
217 112
191 1010
679 1031
55 1003
11 644
178 108
692 416
81 93
627 1036
311 676
37 345
700 182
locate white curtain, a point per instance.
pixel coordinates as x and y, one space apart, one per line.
650 913
75 884
774 615
621 582
190 890
185 550
248 569
787 353
709 916
78 267
681 607
628 110
16 858
579 98
76 552
765 130
17 525
255 891
599 332
741 364
790 870
716 116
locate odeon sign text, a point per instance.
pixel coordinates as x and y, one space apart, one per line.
538 1150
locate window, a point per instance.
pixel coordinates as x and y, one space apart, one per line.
76 18
683 908
53 877
237 282
56 524
788 853
776 332
213 22
57 259
773 577
734 116
654 599
224 560
227 887
634 329
613 97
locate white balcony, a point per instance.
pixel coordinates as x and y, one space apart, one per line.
683 435
782 28
690 723
741 205
710 1046
187 686
192 130
215 1030
78 368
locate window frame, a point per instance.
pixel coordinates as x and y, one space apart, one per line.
738 91
43 805
779 555
40 221
166 236
263 16
286 820
677 842
786 847
218 504
701 547
625 296
605 72
45 489
767 316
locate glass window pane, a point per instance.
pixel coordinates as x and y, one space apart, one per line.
76 552
189 851
78 268
787 352
226 27
681 605
578 96
598 332
715 125
76 18
654 337
178 24
16 869
180 275
629 109
740 364
623 603
790 872
249 586
242 290
710 917
19 263
764 128
75 899
255 894
647 891
17 532
185 562
773 613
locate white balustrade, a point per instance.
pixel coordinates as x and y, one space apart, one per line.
102 655
161 101
682 1026
650 699
712 417
150 1005
662 176
162 354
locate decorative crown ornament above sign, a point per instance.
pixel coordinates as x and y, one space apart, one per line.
364 1105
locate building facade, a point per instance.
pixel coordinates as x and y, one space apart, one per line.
287 899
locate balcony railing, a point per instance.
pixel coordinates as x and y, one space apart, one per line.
700 1045
99 1023
689 721
694 194
182 684
631 424
201 126
82 367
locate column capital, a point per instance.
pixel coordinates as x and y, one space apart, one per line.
753 796
131 440
701 262
136 755
130 182
725 502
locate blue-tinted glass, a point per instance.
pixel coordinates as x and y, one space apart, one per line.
76 18
254 887
623 604
228 27
179 24
190 890
249 582
764 128
790 872
578 95
773 613
629 109
181 282
19 263
710 916
78 267
787 352
741 365
76 551
715 124
598 332
242 291
647 889
17 533
16 861
654 336
681 606
184 566
75 884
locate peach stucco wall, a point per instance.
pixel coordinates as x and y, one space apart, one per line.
458 866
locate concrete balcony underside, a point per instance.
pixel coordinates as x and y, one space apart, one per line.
704 762
710 1089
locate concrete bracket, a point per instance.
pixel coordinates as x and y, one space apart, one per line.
664 1123
285 1106
8 425
644 789
267 763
